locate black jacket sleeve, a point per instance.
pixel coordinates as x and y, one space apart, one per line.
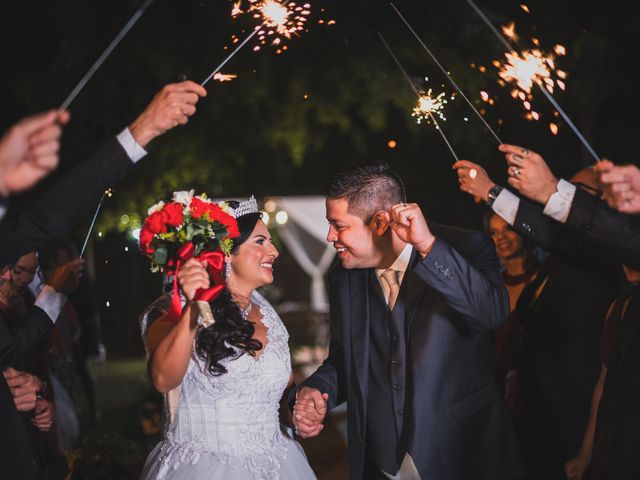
62 205
20 340
617 232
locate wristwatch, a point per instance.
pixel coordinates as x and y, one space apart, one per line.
493 194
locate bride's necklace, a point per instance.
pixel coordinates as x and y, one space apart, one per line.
246 311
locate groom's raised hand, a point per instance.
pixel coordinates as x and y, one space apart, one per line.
309 412
409 224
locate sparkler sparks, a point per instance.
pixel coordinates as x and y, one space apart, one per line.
428 105
224 77
279 20
530 68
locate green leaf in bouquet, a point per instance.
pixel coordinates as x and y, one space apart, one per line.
161 255
194 229
221 234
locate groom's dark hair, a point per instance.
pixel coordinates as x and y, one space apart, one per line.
368 188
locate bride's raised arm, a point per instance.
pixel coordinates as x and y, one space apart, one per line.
170 344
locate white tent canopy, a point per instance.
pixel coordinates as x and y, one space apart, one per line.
304 234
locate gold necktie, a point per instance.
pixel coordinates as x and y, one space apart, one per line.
391 277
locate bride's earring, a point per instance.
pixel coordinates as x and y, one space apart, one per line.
227 269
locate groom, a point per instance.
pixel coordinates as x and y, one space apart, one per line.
411 308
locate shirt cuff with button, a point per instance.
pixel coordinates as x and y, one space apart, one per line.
133 149
51 302
559 204
506 205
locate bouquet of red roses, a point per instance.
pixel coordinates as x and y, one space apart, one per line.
189 227
187 219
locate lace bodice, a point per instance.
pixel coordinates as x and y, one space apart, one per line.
235 415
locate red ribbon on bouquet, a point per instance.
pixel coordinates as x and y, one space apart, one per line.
215 264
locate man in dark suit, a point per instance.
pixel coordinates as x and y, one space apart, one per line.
51 216
411 307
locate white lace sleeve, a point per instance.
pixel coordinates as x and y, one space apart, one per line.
157 309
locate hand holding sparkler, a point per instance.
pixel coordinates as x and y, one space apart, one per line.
473 179
620 185
529 173
172 106
29 150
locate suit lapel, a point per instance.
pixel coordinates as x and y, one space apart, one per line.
415 290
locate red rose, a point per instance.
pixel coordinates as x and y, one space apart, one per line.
146 237
199 208
155 223
225 219
232 228
172 214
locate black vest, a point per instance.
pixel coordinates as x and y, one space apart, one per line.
385 442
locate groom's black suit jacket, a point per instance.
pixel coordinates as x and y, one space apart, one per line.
457 426
52 215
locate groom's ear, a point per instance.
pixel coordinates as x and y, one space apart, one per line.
381 222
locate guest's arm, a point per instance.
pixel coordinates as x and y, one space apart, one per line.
60 207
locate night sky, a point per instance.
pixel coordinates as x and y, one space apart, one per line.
288 122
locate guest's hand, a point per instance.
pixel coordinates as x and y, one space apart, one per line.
473 179
172 106
574 469
620 186
29 150
24 388
529 174
409 225
192 276
43 414
64 279
309 412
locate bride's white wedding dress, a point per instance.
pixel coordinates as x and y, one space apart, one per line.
227 427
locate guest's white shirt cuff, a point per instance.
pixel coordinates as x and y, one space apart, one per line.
51 302
506 205
559 204
134 151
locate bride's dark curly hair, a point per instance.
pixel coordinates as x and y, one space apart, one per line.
231 336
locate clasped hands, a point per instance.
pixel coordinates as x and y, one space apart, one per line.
27 391
309 411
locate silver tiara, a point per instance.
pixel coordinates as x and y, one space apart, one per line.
243 208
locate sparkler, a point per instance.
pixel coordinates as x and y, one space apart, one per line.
230 56
538 82
430 104
107 193
444 71
87 76
277 21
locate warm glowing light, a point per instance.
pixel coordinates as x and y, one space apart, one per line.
560 50
524 7
282 217
509 31
392 144
270 205
224 77
428 105
554 128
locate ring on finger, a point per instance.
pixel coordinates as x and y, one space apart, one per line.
516 172
473 173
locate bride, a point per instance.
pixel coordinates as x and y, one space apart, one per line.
223 383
